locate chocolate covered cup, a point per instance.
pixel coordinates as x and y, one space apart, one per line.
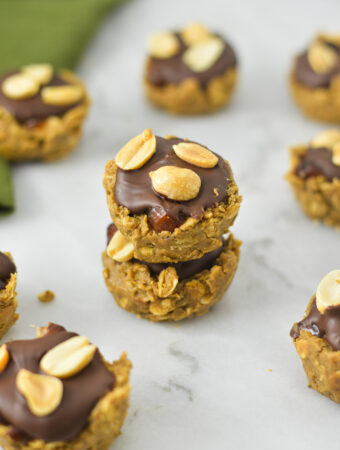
165 292
317 338
192 71
8 300
41 113
315 177
315 79
171 199
58 392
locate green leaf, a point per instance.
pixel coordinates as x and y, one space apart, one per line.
6 188
51 31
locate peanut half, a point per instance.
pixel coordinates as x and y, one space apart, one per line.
62 95
328 291
202 56
330 38
327 138
321 57
137 151
42 73
20 86
195 33
68 358
4 357
119 248
163 45
176 183
195 154
43 393
167 282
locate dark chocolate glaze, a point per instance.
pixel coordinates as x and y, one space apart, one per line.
325 326
133 189
161 72
317 161
81 392
7 267
30 111
110 231
184 269
187 269
305 75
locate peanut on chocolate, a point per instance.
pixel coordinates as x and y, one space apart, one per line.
190 71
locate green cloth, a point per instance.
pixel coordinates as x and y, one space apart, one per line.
52 31
6 188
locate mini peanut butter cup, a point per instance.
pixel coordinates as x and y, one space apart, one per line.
317 338
314 176
8 300
150 212
50 393
42 112
315 79
191 71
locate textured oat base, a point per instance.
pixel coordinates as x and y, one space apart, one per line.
136 291
53 139
105 420
320 104
8 303
189 241
190 98
320 362
318 197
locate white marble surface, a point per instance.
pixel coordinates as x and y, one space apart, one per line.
201 384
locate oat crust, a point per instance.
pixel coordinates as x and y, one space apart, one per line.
320 362
137 291
319 198
8 303
53 139
321 103
190 98
104 423
189 241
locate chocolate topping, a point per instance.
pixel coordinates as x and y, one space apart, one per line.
7 267
30 111
133 189
161 72
317 161
184 269
111 229
81 392
325 326
187 269
305 75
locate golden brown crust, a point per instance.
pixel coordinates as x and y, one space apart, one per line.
190 98
320 362
53 139
189 241
105 420
321 103
139 292
318 197
8 303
